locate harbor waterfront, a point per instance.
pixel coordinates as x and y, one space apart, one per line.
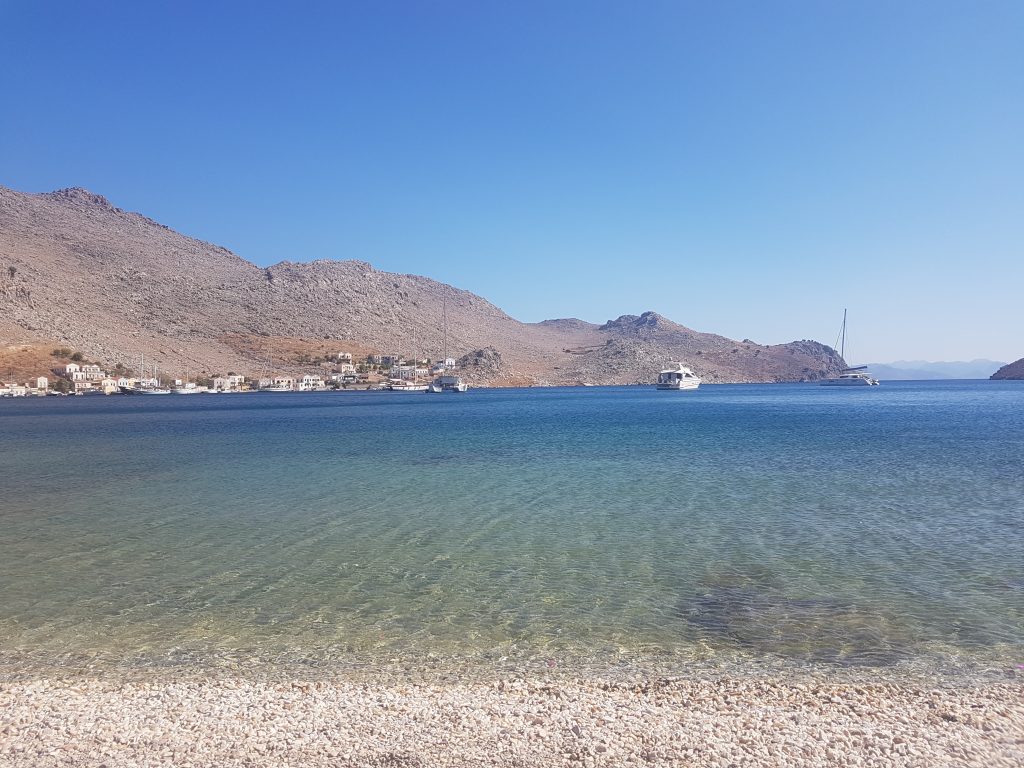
771 574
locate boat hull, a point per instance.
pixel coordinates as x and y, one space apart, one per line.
856 380
678 385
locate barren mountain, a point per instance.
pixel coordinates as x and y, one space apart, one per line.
78 272
1014 370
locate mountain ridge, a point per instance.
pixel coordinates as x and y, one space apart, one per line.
79 271
922 370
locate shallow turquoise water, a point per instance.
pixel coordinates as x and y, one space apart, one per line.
739 524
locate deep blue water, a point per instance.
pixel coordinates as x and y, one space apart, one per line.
738 524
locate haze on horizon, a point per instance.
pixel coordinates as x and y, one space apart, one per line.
749 170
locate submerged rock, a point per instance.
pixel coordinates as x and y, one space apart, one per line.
815 630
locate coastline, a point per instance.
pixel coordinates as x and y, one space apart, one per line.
510 722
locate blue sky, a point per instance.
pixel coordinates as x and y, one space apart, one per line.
743 168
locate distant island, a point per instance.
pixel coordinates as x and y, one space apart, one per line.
1014 370
918 370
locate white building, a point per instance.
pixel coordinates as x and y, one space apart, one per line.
311 383
72 372
42 383
93 372
403 372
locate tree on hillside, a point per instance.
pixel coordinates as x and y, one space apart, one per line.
12 271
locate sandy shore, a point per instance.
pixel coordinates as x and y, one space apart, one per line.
510 723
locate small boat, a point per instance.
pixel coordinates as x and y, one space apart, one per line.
448 384
144 391
677 376
856 376
186 387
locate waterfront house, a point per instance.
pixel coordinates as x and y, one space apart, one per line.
311 383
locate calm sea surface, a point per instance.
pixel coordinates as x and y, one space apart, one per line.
788 525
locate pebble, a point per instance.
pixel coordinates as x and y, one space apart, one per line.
517 722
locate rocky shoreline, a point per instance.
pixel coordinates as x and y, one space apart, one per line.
510 722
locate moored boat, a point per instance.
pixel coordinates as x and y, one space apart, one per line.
856 376
677 376
396 385
144 391
448 384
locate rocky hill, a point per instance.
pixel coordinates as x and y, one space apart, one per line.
1014 370
77 271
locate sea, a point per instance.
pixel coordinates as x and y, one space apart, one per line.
609 531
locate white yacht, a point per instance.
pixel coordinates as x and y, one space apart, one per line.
448 384
856 376
678 376
398 385
852 377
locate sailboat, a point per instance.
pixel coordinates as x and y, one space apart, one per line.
187 387
849 377
151 388
447 383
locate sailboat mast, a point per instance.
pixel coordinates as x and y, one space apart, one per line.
444 313
842 347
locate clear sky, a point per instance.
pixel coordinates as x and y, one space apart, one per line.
744 168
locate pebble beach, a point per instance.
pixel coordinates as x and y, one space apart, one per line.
515 722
